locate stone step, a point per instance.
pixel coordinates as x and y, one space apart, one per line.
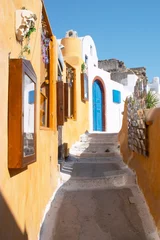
108 173
102 135
117 181
94 159
93 154
94 147
101 138
112 179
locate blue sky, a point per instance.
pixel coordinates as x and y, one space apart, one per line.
126 30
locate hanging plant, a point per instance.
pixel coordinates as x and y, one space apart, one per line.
31 30
25 27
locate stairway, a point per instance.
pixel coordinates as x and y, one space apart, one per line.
101 145
96 156
99 198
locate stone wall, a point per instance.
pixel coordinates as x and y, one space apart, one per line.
146 168
119 71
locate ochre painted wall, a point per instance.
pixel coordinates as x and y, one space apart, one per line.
73 128
146 168
24 194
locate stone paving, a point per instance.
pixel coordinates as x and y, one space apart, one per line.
98 200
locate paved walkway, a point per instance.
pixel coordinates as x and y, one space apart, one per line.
99 200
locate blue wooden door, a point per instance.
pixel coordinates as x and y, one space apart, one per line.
97 107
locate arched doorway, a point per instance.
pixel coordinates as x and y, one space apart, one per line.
98 106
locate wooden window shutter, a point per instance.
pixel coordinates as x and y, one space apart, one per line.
60 103
66 100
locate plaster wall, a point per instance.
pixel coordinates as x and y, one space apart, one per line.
113 110
113 116
89 50
155 85
74 127
23 193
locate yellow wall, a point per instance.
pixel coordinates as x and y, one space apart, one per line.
73 128
147 169
24 194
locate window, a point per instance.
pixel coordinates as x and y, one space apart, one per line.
69 90
22 125
91 50
86 59
84 87
116 96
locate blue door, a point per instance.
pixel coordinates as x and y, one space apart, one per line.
97 107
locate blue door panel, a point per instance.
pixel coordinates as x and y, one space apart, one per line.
97 107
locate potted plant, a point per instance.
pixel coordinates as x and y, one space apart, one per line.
83 67
151 101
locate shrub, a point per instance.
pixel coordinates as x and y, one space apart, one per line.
151 100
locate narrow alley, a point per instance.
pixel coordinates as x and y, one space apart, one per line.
99 199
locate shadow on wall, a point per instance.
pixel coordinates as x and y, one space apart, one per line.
9 229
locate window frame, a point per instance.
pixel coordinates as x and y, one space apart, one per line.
52 73
70 95
84 87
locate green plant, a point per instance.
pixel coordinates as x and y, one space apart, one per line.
31 30
26 47
83 67
151 100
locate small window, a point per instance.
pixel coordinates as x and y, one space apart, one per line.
116 96
84 87
91 50
86 59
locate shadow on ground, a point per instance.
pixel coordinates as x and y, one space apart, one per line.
9 229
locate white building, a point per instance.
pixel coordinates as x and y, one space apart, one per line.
154 86
106 97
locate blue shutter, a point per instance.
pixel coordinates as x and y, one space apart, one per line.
116 96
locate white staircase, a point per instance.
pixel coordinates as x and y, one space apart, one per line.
96 145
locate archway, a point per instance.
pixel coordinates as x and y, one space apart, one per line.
98 99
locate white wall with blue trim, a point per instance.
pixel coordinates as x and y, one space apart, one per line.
116 93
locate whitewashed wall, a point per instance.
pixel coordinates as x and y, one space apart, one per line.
113 110
154 85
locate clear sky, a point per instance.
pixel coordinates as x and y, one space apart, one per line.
128 30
